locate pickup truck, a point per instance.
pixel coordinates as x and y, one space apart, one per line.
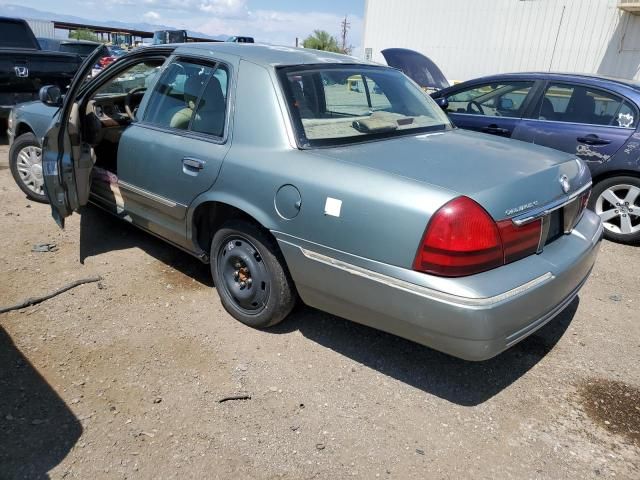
24 67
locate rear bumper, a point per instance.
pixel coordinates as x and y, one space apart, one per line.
496 310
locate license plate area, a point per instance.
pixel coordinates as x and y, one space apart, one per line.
556 225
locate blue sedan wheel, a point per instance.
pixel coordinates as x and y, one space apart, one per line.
617 201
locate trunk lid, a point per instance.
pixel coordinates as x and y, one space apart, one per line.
506 177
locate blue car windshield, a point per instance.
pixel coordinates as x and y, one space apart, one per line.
340 104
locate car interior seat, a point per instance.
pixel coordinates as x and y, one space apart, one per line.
301 101
581 107
192 88
546 111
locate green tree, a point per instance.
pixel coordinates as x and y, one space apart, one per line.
83 34
321 40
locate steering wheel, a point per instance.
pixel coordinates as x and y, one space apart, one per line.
127 101
478 107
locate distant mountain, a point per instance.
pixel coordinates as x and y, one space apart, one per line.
10 10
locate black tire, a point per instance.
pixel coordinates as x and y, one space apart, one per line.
23 141
243 252
621 185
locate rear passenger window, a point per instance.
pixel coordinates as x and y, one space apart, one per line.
173 102
579 104
210 113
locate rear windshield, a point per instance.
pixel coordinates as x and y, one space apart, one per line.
79 48
16 35
341 104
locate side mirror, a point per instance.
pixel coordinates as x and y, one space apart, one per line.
50 95
442 102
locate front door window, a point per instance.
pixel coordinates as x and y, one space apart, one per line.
499 99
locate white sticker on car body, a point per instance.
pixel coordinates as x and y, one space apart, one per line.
332 207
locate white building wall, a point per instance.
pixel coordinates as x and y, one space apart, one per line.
471 38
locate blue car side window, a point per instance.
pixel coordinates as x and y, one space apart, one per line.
497 99
583 104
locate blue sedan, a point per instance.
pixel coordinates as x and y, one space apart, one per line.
594 117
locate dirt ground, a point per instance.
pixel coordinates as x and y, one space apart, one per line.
122 378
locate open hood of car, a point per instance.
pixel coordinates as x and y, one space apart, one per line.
417 67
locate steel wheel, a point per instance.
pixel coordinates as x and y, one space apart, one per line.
250 274
245 275
619 209
29 166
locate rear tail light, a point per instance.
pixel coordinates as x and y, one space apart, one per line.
463 239
519 241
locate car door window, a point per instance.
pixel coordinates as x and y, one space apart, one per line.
175 97
140 75
581 104
498 99
210 113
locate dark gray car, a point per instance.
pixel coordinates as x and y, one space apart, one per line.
265 162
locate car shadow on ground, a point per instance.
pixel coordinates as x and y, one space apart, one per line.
101 232
37 429
458 381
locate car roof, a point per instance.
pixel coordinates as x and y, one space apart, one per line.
563 76
268 55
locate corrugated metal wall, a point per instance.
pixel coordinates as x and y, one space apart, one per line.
470 38
41 28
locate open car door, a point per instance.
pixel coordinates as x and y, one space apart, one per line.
66 164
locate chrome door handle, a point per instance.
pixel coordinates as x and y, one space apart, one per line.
193 163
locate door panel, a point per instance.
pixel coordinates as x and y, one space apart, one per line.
592 143
66 164
176 152
160 173
591 123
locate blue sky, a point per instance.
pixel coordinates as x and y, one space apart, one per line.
273 21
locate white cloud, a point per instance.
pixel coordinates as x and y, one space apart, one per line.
152 16
226 8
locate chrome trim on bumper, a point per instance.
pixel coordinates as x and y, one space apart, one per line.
424 291
550 207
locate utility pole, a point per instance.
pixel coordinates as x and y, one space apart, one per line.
344 27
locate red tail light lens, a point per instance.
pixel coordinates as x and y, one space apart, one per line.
584 200
519 242
461 239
